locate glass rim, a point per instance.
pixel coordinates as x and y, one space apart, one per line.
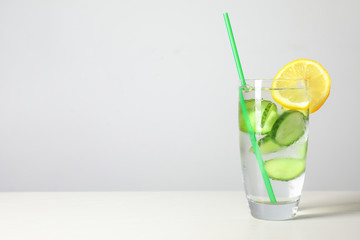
271 79
250 81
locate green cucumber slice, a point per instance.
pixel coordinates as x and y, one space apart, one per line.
269 117
305 112
262 114
288 128
267 145
265 113
284 169
302 149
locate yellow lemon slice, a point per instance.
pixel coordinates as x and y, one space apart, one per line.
318 81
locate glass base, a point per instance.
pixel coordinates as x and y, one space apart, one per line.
275 212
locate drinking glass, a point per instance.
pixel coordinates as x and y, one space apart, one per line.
281 132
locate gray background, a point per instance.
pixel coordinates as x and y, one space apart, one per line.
142 95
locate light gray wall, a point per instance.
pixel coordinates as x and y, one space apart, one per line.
142 95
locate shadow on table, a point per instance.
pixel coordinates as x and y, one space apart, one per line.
328 208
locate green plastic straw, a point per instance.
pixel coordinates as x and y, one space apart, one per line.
245 112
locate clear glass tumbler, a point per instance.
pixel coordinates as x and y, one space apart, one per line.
281 132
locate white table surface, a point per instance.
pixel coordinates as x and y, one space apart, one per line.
171 215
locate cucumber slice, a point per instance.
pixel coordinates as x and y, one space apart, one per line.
265 113
288 128
284 169
269 117
267 145
305 112
262 114
302 149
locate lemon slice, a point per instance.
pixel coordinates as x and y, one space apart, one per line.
318 85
